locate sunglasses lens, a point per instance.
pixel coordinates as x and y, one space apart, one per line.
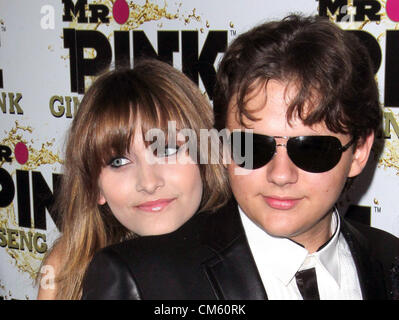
315 153
251 151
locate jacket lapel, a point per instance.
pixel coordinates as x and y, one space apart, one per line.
368 269
233 274
232 271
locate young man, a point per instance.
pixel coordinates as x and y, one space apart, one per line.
306 91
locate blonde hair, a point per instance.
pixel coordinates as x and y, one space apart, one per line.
104 127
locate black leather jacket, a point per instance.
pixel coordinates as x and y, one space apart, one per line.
209 258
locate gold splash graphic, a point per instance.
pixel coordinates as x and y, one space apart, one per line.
390 155
7 296
25 261
37 157
192 16
150 11
139 14
375 201
14 136
2 25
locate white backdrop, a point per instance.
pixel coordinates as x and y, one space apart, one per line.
38 95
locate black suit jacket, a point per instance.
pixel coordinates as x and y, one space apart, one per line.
209 258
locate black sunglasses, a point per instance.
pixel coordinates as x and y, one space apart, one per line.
309 153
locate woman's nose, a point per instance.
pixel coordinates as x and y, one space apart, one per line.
150 177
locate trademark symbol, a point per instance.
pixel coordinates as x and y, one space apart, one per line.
377 209
233 33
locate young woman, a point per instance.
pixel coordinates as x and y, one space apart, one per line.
119 181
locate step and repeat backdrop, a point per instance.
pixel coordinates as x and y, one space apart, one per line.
50 51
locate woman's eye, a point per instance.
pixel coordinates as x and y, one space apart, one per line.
119 162
169 151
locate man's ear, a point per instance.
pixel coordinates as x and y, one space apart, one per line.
361 155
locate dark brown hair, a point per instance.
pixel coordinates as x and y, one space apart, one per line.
330 68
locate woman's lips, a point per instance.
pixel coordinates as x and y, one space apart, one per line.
281 203
155 206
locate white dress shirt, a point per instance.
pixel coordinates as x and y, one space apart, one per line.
278 259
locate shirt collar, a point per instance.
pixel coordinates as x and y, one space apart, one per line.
267 251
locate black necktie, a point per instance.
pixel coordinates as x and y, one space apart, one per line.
307 284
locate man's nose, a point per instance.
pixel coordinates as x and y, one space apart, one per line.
281 170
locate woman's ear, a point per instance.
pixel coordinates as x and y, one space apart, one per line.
361 155
101 199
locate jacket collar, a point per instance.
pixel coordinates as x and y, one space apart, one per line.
232 271
368 269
